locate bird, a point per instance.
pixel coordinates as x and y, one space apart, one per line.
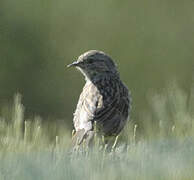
105 101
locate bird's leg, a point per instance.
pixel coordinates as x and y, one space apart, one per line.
115 143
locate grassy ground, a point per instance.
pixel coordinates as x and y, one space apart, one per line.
162 147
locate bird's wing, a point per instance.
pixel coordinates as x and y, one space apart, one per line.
113 112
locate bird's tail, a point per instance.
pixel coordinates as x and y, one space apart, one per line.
80 136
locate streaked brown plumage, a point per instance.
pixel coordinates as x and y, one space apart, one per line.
104 99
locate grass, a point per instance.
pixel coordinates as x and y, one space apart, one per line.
160 147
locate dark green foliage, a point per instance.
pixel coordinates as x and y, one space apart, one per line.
152 43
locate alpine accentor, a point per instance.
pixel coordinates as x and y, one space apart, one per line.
104 99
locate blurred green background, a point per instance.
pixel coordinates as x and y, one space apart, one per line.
151 41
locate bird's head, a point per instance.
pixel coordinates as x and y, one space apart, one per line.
93 63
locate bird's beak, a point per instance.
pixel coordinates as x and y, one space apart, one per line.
75 63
